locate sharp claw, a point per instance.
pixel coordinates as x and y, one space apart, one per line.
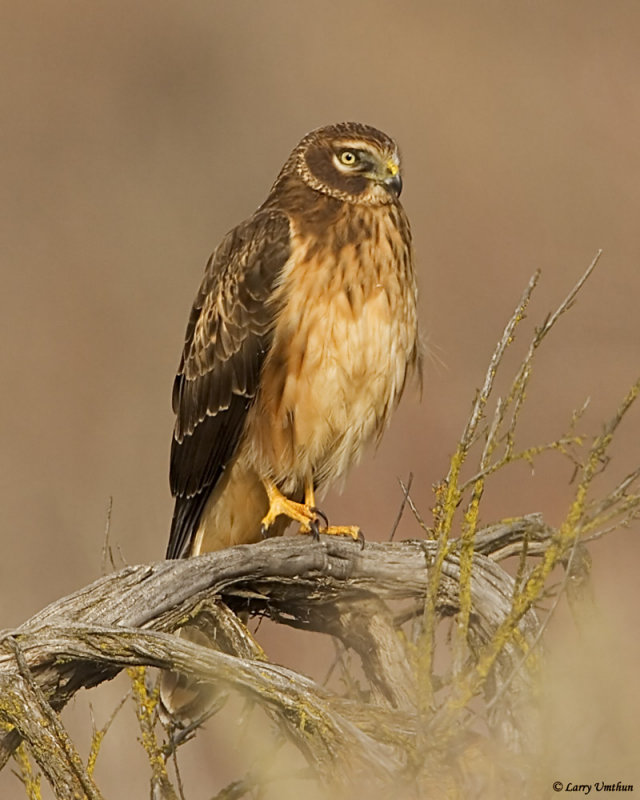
361 539
321 514
315 530
264 532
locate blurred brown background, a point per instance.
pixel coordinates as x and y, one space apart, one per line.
135 135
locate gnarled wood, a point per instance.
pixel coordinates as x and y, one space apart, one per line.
331 586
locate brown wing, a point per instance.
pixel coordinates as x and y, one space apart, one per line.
228 336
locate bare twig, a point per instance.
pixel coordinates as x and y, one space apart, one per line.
405 494
107 552
98 734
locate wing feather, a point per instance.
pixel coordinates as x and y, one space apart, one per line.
228 335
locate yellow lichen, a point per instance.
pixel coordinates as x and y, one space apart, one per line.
30 781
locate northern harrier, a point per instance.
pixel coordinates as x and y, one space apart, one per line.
298 347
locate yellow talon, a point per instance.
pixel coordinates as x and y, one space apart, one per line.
305 513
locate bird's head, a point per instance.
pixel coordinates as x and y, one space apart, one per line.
351 162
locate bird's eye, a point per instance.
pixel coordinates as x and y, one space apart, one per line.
348 158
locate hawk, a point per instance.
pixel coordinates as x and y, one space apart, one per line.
299 344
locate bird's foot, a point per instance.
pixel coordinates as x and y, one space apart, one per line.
279 506
307 514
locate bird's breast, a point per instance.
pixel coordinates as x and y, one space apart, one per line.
344 342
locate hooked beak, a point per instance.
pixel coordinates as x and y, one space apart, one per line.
394 184
393 179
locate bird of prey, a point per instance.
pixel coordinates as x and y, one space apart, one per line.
299 344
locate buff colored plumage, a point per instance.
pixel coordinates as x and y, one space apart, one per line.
299 345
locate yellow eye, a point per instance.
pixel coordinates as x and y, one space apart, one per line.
348 158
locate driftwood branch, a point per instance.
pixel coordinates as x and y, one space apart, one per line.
37 722
126 619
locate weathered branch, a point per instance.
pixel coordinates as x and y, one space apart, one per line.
25 706
125 618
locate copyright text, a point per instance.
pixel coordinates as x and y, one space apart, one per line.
587 788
